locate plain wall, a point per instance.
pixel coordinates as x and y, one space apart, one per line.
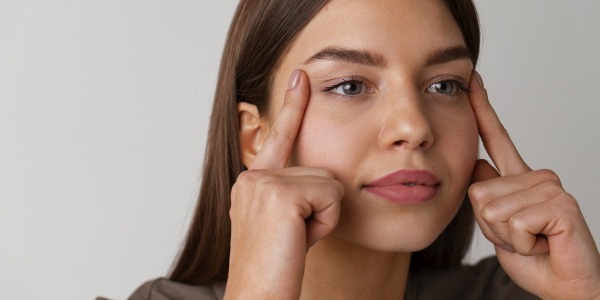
104 107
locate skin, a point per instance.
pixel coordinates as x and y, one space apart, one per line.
311 155
540 236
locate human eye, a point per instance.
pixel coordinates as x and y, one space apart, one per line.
347 87
449 87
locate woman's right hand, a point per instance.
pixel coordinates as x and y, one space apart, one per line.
277 213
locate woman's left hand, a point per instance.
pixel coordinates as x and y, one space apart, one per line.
540 235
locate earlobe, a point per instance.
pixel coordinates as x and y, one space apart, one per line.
252 132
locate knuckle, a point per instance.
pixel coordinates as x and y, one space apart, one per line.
246 177
335 189
278 190
275 136
234 213
279 136
288 101
477 192
242 186
274 132
569 199
251 181
516 223
500 133
485 94
551 188
489 214
275 190
548 175
569 203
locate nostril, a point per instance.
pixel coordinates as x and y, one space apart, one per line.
404 143
399 143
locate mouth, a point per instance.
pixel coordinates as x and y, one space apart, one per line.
405 186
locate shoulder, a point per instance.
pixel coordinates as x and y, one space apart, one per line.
484 280
163 289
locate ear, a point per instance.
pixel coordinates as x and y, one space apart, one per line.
253 131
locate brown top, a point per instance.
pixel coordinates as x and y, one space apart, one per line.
485 280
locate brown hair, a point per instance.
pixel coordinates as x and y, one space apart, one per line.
259 36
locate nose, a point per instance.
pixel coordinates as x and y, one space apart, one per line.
406 124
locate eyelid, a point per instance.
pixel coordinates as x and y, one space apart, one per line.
334 83
461 84
331 85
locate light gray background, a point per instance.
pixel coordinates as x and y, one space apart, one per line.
104 107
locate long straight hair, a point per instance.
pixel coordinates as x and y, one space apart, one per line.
260 34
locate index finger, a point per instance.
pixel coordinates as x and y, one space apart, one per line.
494 136
277 147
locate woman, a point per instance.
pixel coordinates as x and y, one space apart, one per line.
342 143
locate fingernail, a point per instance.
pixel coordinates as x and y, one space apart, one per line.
478 77
294 79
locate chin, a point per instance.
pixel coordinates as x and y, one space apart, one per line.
393 239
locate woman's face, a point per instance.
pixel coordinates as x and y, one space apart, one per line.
387 82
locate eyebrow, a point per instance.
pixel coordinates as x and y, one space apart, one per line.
445 55
355 56
364 57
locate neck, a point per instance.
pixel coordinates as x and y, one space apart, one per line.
337 269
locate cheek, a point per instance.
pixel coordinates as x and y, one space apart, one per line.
470 134
326 141
464 134
457 137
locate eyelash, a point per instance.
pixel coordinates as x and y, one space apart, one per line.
342 82
459 83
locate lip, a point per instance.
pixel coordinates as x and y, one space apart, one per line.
405 186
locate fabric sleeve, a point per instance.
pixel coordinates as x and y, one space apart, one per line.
164 289
485 280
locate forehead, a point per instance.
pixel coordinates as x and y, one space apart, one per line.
397 29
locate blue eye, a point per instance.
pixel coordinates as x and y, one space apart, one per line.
346 88
448 87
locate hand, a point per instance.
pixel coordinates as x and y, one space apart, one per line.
277 213
540 235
